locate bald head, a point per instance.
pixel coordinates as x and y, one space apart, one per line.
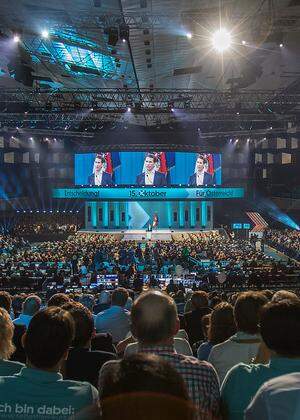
154 318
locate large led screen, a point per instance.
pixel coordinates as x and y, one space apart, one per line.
158 169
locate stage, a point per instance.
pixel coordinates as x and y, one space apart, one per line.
143 235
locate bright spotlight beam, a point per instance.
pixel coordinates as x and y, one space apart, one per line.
45 34
221 40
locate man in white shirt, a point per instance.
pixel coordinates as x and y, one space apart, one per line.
242 346
151 176
99 176
200 177
31 306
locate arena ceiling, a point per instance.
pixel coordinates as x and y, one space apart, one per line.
85 49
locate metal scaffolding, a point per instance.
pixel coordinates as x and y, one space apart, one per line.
152 101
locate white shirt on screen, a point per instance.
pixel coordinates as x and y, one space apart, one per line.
98 178
149 177
200 177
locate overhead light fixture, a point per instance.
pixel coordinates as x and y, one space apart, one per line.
244 42
45 34
189 35
128 109
124 32
281 45
221 40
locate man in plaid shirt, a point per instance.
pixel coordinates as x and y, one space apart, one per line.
154 322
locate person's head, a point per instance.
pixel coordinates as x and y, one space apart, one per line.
6 334
221 325
119 296
31 305
59 299
247 311
98 163
200 163
150 162
199 299
48 338
154 318
83 321
5 301
144 386
282 295
280 327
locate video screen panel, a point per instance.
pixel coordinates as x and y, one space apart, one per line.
157 169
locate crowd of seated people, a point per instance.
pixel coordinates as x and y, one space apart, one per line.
46 223
84 256
287 241
129 354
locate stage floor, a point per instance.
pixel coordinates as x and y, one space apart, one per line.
142 234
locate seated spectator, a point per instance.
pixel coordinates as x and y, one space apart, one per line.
242 346
155 331
18 330
221 327
115 320
6 303
280 331
83 364
144 387
283 294
7 348
104 301
192 319
31 306
39 387
59 299
277 399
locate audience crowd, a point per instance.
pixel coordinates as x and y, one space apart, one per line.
287 241
148 350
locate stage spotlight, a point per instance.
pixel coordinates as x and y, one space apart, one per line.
124 32
45 34
16 38
221 40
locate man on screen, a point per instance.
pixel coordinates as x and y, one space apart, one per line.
151 176
99 176
201 177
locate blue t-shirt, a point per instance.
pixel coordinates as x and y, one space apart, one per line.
243 381
35 393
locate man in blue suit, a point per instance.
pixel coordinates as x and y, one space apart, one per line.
201 177
151 176
99 176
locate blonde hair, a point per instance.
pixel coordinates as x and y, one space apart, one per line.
6 334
